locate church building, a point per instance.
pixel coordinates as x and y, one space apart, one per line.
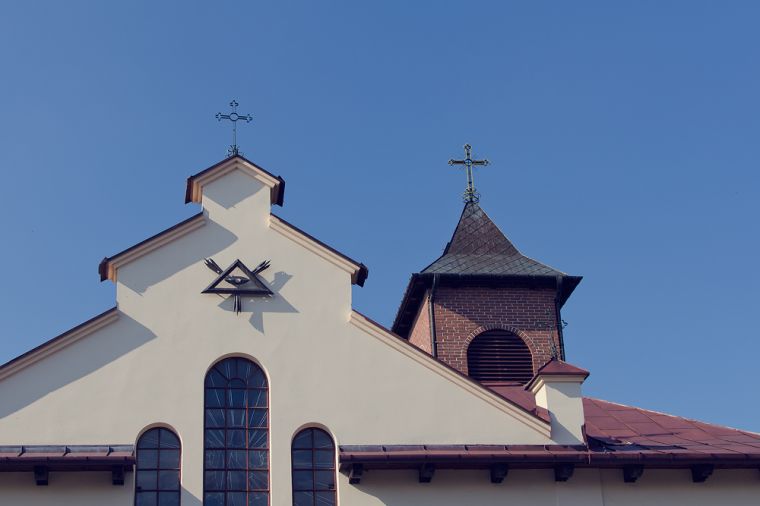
233 370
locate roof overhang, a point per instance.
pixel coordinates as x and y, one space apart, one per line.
57 343
357 270
195 183
66 458
528 457
556 371
421 282
109 265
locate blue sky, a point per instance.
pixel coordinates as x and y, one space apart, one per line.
623 138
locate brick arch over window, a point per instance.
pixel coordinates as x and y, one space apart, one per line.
236 434
532 341
499 356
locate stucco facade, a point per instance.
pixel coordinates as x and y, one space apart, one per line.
326 366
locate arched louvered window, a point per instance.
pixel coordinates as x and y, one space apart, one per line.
158 466
499 356
236 435
313 460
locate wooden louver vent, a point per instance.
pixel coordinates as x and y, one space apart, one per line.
499 356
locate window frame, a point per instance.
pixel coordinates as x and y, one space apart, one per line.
316 466
241 438
142 447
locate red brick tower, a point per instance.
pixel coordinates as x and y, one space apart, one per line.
484 308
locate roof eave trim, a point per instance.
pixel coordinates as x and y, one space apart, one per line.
406 311
59 342
195 183
400 344
109 265
541 457
357 270
401 314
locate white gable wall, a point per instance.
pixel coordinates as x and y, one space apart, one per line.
148 366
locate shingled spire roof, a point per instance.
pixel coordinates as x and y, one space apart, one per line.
479 253
478 247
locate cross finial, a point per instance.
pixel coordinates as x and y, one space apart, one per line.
234 117
470 195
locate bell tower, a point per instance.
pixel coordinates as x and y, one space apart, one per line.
484 308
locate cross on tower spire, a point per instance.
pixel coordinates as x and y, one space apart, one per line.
234 117
470 195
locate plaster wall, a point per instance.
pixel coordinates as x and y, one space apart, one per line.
588 487
564 401
148 366
65 489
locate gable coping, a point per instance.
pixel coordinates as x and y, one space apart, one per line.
109 265
401 345
59 342
357 270
195 183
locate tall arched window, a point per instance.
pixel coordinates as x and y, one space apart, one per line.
313 460
158 466
499 356
236 435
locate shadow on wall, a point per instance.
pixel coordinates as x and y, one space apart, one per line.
70 364
188 499
232 189
177 255
257 306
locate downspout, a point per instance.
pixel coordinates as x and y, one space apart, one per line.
558 317
431 315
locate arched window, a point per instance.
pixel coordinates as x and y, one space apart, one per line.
499 356
313 460
236 435
158 465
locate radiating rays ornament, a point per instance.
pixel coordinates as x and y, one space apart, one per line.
238 280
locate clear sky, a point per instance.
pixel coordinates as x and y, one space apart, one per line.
623 138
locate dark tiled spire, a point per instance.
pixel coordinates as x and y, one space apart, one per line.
478 247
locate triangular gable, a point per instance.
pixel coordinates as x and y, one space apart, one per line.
196 182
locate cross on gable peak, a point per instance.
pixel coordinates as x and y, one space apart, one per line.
234 117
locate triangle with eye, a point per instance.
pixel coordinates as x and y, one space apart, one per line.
237 279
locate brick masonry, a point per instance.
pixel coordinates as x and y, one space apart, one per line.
420 334
463 312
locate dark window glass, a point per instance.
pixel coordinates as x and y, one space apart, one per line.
236 435
313 461
158 469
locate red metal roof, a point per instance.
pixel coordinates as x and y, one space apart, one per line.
617 436
556 367
626 428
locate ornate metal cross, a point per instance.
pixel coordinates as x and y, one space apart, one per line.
234 117
470 195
